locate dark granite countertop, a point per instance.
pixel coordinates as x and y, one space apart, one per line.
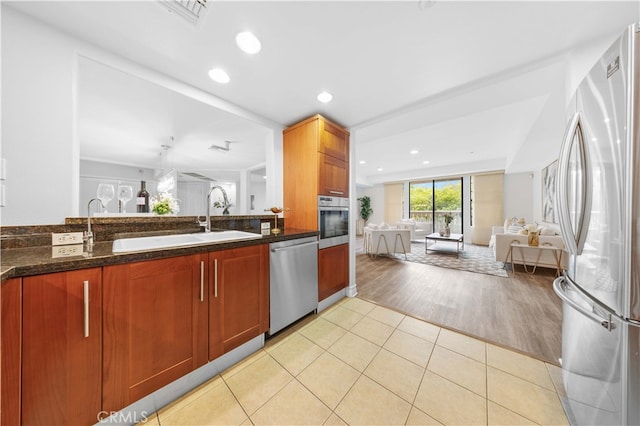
22 262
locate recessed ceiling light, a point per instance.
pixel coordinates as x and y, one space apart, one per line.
248 42
380 169
413 151
425 162
219 75
363 162
325 97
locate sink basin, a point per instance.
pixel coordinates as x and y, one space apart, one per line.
126 245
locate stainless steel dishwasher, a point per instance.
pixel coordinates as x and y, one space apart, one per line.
293 281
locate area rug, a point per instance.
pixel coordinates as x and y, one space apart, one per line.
477 259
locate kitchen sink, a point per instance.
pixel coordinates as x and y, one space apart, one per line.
126 245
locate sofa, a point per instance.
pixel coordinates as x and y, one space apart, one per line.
549 235
386 240
418 229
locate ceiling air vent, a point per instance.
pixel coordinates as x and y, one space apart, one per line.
197 176
191 10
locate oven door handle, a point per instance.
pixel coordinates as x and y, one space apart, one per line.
333 209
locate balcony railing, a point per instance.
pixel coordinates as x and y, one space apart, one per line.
428 218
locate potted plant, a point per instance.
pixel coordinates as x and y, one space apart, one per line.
448 218
365 213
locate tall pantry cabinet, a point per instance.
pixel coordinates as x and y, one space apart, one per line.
316 162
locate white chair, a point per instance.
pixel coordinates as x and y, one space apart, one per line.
386 241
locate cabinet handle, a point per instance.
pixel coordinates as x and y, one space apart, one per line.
215 278
202 280
86 309
336 192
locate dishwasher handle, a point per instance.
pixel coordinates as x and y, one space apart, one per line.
275 250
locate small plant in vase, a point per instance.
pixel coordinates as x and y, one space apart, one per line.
448 218
164 203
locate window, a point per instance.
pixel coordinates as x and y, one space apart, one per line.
429 201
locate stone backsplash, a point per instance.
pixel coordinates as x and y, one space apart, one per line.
110 228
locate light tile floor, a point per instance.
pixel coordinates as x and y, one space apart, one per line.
362 364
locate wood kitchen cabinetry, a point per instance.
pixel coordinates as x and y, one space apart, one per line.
238 297
165 318
155 325
10 348
62 348
80 343
333 270
316 162
334 140
333 176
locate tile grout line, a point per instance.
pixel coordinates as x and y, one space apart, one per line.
380 347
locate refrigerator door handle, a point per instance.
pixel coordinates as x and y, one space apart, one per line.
574 237
598 313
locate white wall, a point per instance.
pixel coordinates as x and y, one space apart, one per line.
376 193
519 196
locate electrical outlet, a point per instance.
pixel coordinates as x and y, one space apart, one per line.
66 251
265 228
66 238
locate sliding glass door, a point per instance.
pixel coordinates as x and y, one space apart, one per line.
430 201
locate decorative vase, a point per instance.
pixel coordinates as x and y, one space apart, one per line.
447 231
533 238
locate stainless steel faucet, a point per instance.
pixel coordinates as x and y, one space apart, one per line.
88 235
207 225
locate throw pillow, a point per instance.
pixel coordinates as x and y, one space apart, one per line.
547 231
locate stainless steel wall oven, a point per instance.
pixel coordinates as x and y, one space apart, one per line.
333 220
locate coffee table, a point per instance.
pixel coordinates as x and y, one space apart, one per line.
453 238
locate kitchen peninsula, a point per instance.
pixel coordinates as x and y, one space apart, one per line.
84 336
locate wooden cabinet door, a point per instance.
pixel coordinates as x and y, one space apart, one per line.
10 348
333 270
333 176
238 297
155 325
300 175
334 140
62 348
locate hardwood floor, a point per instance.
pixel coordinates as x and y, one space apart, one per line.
520 312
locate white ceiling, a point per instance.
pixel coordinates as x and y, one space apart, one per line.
472 85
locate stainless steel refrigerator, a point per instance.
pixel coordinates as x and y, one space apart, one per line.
598 202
